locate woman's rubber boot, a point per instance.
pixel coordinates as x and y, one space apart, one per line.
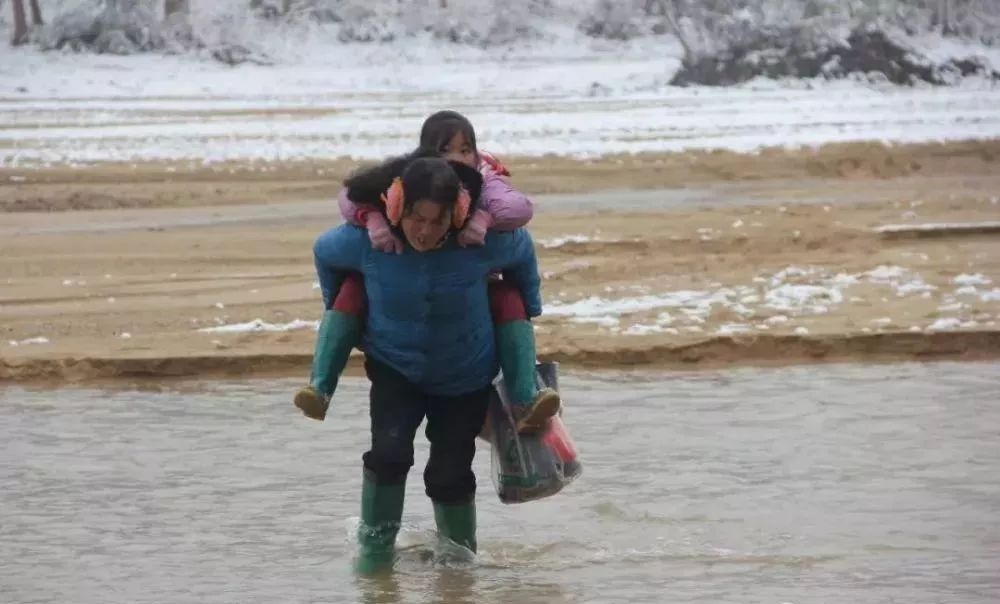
338 333
457 523
381 514
532 407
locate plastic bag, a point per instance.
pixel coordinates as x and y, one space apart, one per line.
527 467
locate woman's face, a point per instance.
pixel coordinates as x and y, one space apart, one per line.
426 224
460 150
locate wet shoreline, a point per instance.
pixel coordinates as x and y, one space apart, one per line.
708 355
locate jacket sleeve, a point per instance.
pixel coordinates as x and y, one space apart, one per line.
340 249
514 254
510 208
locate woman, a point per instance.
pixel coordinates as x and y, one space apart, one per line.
428 341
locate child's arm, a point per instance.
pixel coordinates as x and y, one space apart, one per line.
509 208
340 249
502 208
514 254
371 218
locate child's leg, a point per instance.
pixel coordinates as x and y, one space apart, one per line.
339 332
516 351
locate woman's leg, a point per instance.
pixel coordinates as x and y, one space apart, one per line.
515 336
396 410
452 425
339 332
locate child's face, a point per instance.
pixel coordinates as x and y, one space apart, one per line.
458 149
425 225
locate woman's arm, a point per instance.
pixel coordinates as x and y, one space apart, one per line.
340 249
514 254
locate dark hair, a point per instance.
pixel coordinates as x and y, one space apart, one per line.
366 186
441 127
429 179
426 176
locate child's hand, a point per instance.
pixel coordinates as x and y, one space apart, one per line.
381 237
490 165
474 231
486 171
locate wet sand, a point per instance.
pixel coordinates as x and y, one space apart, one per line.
757 266
192 184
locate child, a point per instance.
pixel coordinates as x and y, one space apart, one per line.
501 208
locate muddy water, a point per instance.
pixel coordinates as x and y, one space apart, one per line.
810 484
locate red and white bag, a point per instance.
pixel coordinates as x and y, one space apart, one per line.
527 467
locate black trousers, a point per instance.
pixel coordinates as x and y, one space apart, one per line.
453 422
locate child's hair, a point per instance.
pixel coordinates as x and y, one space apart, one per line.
441 127
425 176
367 185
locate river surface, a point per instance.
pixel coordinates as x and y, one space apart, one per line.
828 483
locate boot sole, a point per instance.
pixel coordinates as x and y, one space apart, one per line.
311 404
544 409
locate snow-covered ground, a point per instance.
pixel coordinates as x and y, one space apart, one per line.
770 301
59 109
785 297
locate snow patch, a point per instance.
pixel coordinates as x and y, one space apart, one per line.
950 323
259 325
972 279
564 240
29 341
885 274
814 299
646 329
733 328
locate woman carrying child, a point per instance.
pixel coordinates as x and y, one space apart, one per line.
501 208
429 341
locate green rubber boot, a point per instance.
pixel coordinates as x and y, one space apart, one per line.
338 333
457 523
532 407
381 514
